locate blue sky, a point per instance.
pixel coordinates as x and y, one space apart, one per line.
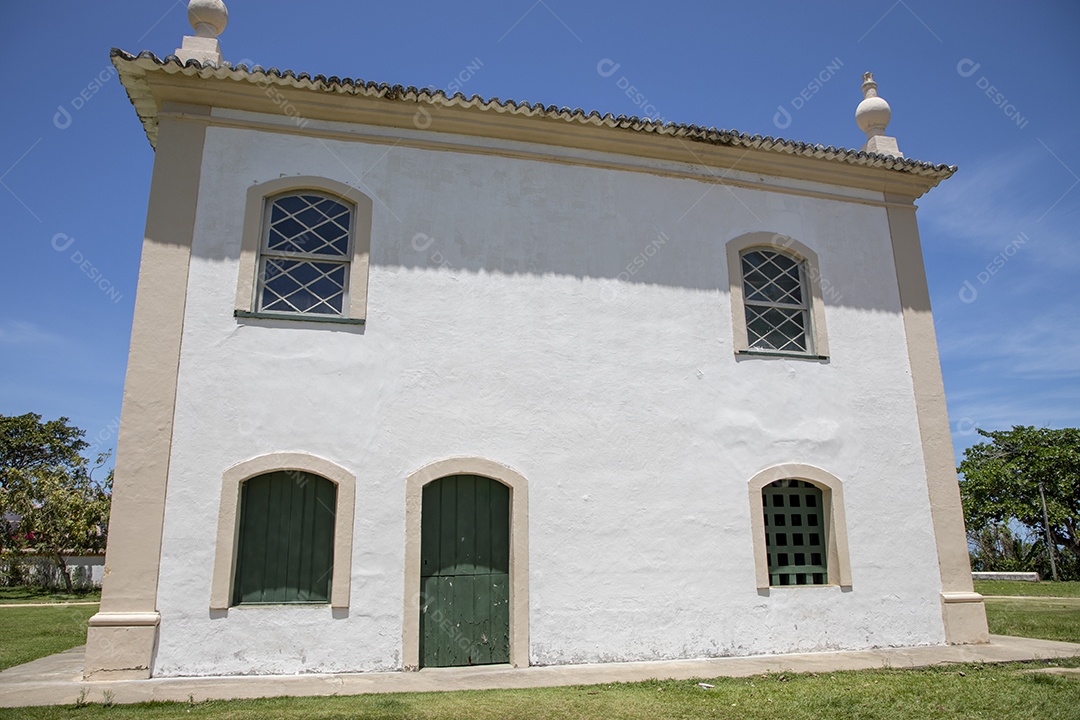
989 86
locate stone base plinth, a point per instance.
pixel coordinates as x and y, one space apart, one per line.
965 618
882 145
120 646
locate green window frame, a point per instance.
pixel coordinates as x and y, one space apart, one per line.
795 533
285 543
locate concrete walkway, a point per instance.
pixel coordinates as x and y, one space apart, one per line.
56 680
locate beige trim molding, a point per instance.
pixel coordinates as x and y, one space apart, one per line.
151 85
832 492
519 551
964 622
125 619
228 530
254 227
961 597
811 271
146 427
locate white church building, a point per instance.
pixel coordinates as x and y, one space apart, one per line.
421 381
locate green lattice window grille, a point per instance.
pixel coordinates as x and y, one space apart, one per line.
285 552
776 301
305 254
795 533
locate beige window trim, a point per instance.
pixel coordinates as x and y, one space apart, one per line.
254 221
229 528
832 500
811 274
519 552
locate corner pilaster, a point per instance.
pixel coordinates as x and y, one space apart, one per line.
123 635
962 609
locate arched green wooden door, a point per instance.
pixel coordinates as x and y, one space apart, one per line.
465 572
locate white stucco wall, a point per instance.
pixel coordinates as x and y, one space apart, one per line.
510 337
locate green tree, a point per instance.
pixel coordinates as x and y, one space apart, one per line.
49 500
27 443
1002 480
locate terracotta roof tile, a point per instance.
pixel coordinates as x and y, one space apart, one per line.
410 94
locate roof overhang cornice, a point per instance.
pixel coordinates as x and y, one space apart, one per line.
305 101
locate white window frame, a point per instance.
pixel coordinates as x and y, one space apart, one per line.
266 254
813 302
260 198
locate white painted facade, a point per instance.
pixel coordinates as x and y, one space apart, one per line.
572 323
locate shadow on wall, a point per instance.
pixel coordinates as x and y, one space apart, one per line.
630 228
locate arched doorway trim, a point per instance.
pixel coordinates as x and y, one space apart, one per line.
519 552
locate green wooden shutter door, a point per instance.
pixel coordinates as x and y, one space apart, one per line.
286 546
795 533
465 572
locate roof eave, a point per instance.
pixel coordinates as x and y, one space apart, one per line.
151 82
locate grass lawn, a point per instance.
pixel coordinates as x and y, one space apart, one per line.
29 633
1030 615
955 691
970 692
1068 588
24 594
1035 618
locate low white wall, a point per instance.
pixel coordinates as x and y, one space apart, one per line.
1022 576
86 571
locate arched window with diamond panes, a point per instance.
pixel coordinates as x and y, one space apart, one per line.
777 302
305 255
795 533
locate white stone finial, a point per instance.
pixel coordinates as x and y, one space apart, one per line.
208 18
873 115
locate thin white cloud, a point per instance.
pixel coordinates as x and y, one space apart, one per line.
1012 363
1051 407
20 332
984 202
1044 346
986 206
